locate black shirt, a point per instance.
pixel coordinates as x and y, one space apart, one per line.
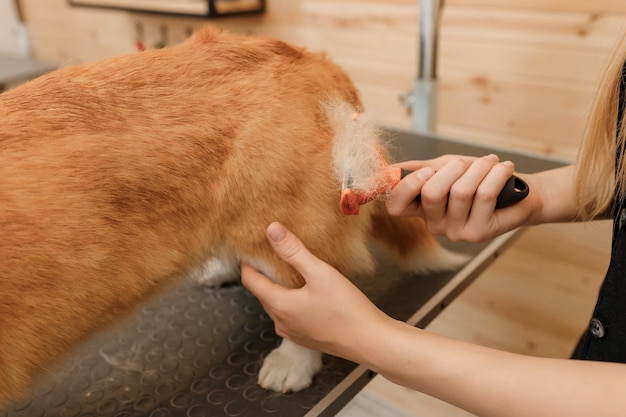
605 339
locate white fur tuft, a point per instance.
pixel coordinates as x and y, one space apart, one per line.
217 271
356 147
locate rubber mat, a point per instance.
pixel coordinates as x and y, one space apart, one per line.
196 351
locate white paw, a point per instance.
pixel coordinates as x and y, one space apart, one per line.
289 367
215 272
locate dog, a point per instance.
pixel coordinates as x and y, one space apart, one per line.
120 176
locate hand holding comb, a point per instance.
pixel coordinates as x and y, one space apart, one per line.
514 190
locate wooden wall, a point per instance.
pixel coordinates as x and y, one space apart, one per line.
522 73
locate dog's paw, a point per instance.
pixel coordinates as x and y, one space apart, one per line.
215 272
289 367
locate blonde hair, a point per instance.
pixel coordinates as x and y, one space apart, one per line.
599 180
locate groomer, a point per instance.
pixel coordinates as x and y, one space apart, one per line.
331 315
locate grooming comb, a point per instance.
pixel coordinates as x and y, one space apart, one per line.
366 175
514 190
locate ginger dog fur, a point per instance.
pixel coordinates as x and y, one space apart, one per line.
119 176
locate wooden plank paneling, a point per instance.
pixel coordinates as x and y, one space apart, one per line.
514 112
470 134
502 90
566 29
522 78
523 59
593 6
552 134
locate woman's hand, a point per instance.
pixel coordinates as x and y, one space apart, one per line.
458 197
327 314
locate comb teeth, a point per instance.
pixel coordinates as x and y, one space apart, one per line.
358 158
352 198
349 202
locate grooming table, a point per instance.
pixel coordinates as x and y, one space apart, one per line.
195 351
15 69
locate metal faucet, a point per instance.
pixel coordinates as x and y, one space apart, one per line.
422 101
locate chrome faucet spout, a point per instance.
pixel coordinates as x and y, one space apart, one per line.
428 21
422 101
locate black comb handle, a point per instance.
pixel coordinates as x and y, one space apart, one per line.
515 190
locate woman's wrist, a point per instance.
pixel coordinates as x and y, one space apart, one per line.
551 198
534 202
367 344
381 346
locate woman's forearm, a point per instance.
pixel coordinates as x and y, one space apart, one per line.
488 382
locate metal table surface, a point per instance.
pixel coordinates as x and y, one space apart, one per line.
195 351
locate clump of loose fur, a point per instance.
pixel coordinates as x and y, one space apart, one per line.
357 147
